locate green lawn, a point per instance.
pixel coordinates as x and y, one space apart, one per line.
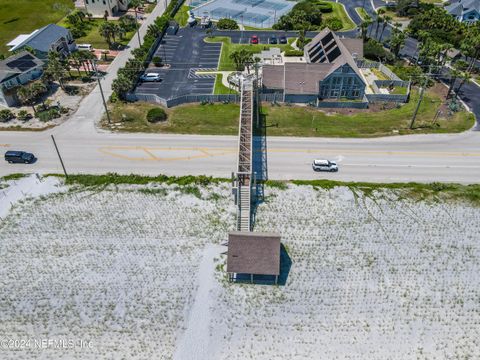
220 88
226 64
361 12
399 90
339 12
23 16
207 119
222 119
380 75
181 16
393 14
94 38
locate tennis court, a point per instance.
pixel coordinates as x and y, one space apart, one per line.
256 13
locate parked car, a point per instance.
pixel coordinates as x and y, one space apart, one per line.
324 165
19 157
283 40
150 77
84 47
254 39
273 40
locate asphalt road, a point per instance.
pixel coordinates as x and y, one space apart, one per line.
423 158
85 149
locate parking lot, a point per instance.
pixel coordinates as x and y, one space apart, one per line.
185 53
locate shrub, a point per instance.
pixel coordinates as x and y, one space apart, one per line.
227 24
293 53
24 115
48 115
157 61
301 42
6 115
64 110
156 115
375 51
334 23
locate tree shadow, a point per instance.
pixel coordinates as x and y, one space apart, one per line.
11 20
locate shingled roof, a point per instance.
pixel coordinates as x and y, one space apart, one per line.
295 78
324 54
41 39
253 253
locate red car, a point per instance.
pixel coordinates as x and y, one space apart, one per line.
254 39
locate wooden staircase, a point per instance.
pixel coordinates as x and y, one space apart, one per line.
244 168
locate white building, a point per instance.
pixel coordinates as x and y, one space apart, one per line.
98 7
49 38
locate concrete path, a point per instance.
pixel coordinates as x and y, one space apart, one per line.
194 344
91 109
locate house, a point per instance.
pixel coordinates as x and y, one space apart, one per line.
17 70
98 8
49 38
467 11
253 254
328 71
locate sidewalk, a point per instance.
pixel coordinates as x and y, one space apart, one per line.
91 109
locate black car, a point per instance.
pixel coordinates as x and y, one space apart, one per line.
272 40
283 40
19 157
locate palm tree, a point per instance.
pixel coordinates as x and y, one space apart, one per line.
56 69
153 30
75 59
38 88
241 58
454 75
466 78
72 19
397 40
26 97
107 31
29 93
364 26
380 20
80 15
121 85
386 21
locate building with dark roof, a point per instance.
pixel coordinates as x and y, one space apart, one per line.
253 253
329 71
49 38
467 11
15 71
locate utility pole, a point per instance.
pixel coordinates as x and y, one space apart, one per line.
257 94
58 153
138 28
101 91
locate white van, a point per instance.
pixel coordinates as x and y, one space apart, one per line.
324 165
84 47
